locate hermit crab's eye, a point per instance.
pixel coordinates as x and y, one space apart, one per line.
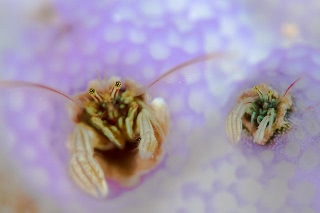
257 91
91 91
118 84
95 95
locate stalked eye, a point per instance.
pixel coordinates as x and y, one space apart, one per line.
91 91
95 95
118 84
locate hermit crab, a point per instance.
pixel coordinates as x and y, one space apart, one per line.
118 133
262 112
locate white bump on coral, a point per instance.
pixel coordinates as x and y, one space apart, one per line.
112 57
267 156
131 57
136 36
89 47
113 34
16 100
195 204
177 5
285 170
158 50
197 100
200 11
275 194
226 174
40 176
304 192
151 8
176 162
249 190
309 160
253 168
224 202
29 153
292 149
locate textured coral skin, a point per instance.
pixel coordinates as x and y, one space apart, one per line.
201 171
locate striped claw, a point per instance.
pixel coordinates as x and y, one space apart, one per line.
88 174
234 123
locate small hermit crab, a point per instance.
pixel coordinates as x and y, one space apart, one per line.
262 112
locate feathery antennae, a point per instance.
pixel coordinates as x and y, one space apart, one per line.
4 84
179 67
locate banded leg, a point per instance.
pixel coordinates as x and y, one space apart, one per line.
148 143
84 169
259 134
110 131
87 173
233 121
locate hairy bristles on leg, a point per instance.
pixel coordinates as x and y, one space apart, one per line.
148 143
85 171
233 124
88 174
16 84
80 140
180 67
153 120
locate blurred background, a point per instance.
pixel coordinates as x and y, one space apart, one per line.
64 44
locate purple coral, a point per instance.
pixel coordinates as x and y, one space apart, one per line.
201 172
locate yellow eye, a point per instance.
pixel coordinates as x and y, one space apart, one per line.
91 91
118 84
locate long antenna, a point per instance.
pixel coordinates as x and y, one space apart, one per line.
179 67
6 84
291 85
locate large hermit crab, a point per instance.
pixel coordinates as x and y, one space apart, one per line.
118 135
262 112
